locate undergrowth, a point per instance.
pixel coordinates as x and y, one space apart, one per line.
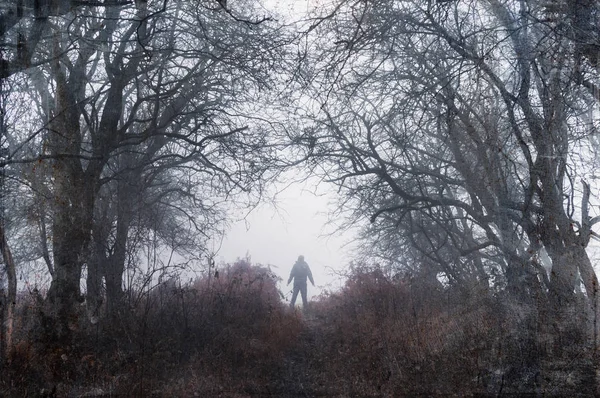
229 334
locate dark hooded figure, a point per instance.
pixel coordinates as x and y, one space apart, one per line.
300 271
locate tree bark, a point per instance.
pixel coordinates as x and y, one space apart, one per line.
71 235
74 192
115 266
11 297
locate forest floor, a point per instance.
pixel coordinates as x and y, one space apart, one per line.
374 339
301 370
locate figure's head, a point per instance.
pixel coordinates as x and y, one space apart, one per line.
301 258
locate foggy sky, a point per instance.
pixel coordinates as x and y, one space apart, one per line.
298 225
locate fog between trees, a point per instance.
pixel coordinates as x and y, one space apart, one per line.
464 132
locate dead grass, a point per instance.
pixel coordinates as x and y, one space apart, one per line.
232 336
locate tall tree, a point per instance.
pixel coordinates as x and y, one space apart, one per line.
465 127
156 101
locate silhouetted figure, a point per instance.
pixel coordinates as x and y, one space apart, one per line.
300 271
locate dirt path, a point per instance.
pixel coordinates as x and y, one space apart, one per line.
302 375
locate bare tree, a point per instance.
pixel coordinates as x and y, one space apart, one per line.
8 299
24 23
464 128
146 106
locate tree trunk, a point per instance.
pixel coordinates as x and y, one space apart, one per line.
74 192
115 266
563 277
98 257
94 277
71 235
11 297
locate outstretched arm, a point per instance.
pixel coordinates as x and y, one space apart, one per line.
310 278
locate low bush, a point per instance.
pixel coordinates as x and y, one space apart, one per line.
228 327
230 334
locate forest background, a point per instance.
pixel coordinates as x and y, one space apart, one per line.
460 139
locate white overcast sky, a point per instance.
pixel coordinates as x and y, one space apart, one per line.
297 224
